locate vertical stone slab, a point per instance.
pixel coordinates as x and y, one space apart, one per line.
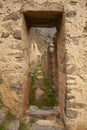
61 64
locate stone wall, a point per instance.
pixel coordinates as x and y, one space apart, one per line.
52 64
72 61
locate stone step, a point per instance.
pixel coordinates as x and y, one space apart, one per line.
43 114
47 125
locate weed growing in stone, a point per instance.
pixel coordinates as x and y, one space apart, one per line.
32 121
2 126
31 94
49 99
10 116
23 126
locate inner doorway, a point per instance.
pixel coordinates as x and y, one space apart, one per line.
39 20
43 66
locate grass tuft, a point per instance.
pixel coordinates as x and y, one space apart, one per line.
23 126
10 116
49 99
2 126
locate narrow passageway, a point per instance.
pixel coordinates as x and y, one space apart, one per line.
42 93
42 67
44 111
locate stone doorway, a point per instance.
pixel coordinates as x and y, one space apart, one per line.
43 65
48 19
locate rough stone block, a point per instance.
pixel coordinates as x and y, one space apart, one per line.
71 77
17 34
69 96
68 90
13 16
75 105
71 83
13 79
72 2
17 88
5 35
70 69
71 13
75 40
71 113
46 125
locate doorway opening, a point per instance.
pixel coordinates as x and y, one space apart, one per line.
45 41
42 64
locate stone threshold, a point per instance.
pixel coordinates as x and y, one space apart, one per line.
47 125
45 113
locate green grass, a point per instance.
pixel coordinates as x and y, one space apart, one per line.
32 85
32 121
31 96
49 99
23 126
10 116
2 126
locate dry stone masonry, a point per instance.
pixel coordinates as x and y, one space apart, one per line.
70 19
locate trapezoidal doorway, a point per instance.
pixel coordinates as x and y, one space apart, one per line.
44 41
43 87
